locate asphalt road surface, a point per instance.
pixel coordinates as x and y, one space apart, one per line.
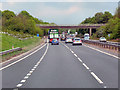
62 66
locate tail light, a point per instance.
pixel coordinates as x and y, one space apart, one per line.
80 40
73 40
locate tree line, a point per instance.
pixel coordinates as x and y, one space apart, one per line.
22 23
112 28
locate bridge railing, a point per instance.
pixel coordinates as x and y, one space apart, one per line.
70 25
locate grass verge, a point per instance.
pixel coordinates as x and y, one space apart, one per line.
9 41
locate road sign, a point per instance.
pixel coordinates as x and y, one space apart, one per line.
108 35
37 35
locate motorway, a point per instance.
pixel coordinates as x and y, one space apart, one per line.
62 66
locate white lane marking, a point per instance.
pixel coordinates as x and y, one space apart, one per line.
75 55
32 69
21 58
102 52
36 65
101 82
105 86
80 60
72 51
96 77
85 66
19 85
22 81
15 57
26 77
30 72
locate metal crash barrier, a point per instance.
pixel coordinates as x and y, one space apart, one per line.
103 45
10 51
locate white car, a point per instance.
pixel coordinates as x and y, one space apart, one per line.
77 41
102 39
68 40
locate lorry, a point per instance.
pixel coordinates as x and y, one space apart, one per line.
53 34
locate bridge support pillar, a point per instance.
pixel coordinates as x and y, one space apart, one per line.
90 31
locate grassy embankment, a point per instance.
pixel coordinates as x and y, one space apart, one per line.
9 41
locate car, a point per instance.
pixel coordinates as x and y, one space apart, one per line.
102 39
68 40
62 38
77 41
55 42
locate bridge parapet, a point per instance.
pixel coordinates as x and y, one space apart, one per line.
70 25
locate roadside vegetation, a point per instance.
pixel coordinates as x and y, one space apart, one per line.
22 23
9 41
19 30
112 28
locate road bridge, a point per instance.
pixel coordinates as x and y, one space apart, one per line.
88 26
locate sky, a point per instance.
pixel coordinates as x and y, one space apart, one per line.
60 12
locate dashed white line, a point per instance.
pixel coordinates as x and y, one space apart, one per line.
30 72
75 55
100 81
21 58
23 81
85 66
92 73
72 51
80 60
26 77
32 69
19 85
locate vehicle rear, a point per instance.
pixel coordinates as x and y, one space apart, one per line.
102 39
77 41
63 38
55 42
53 34
68 40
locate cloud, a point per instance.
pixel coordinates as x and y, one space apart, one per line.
0 6
60 0
53 12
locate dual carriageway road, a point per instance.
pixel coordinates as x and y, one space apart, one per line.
62 66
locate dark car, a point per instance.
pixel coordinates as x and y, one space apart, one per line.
55 42
62 38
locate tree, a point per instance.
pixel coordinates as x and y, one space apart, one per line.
106 16
8 14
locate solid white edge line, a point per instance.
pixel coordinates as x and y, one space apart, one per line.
102 52
96 78
21 58
14 57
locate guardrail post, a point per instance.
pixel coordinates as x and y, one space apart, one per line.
90 31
